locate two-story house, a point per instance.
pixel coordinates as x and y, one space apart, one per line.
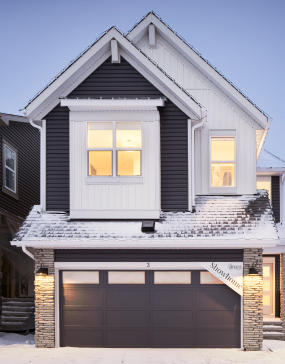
150 231
19 191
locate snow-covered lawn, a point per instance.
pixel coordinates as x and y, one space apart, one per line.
19 349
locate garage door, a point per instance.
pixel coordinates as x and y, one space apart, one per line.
147 309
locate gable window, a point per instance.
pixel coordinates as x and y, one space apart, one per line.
222 161
114 148
9 169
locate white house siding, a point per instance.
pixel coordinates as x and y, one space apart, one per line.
222 113
94 200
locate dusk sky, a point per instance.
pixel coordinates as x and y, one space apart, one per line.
244 39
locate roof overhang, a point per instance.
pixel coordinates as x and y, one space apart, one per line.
270 171
138 31
179 243
89 61
6 118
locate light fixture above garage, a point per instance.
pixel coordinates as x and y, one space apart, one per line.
42 271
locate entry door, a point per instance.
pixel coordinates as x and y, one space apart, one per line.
268 285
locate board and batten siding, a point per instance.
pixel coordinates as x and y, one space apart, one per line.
222 114
120 80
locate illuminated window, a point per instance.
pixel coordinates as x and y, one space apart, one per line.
9 169
222 161
264 183
114 149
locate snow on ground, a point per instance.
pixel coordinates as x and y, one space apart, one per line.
20 349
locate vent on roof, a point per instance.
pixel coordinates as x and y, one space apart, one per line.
148 226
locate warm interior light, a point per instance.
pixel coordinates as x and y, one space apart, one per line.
100 162
264 183
100 135
128 136
129 163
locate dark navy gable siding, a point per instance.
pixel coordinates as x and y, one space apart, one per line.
120 80
275 197
57 159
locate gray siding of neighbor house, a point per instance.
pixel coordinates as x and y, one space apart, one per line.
275 197
26 140
120 80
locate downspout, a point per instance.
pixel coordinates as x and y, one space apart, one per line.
26 251
201 124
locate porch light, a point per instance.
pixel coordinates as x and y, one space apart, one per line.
252 271
42 271
148 226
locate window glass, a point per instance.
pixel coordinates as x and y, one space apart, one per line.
9 168
222 162
264 183
172 277
209 278
129 163
222 175
87 277
128 135
127 277
100 163
100 135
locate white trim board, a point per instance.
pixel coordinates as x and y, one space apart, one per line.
193 57
92 59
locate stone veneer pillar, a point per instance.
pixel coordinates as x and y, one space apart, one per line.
282 290
44 300
252 300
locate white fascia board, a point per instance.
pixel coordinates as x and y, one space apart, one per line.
136 34
112 104
149 244
91 60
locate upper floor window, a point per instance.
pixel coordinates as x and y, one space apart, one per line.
9 168
222 161
264 183
114 148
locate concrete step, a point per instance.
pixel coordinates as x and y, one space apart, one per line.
270 328
272 323
17 309
273 335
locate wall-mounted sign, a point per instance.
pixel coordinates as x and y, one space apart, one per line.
230 273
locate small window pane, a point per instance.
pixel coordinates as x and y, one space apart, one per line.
264 183
222 149
80 277
208 278
100 163
222 175
128 135
129 163
10 180
10 157
100 135
181 277
128 277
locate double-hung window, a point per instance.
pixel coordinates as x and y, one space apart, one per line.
9 168
223 161
114 148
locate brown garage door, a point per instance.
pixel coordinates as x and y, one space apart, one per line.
147 309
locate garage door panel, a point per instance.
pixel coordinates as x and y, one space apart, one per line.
126 297
82 295
124 337
218 318
89 317
172 338
83 337
128 318
217 338
174 297
172 318
215 298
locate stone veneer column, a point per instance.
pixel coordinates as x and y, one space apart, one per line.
252 300
44 300
282 290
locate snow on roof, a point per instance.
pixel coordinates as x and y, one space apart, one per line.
269 160
217 217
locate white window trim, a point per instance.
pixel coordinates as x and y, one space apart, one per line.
10 191
223 190
114 178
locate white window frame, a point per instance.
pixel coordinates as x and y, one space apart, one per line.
114 178
223 134
7 189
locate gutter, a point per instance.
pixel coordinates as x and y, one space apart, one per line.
201 124
26 251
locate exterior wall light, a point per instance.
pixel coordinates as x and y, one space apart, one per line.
148 226
252 271
42 271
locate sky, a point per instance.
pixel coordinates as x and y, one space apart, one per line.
243 39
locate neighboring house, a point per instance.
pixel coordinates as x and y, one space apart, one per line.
20 180
270 176
150 231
